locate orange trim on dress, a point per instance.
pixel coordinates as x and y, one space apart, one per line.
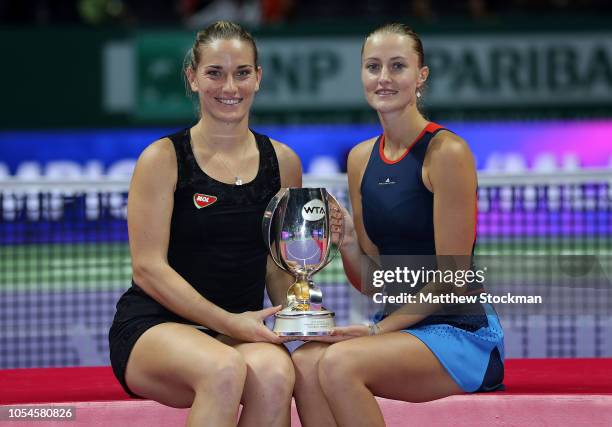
431 127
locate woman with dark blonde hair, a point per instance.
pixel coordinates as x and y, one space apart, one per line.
413 194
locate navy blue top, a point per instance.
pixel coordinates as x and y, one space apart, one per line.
397 207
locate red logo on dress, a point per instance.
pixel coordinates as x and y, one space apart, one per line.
203 200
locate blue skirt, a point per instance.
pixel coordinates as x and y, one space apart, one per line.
473 359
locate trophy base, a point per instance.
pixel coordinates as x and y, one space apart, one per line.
303 323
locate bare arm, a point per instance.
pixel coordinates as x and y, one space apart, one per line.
150 204
277 280
289 164
357 248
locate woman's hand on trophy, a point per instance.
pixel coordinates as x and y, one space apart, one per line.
341 222
342 333
249 326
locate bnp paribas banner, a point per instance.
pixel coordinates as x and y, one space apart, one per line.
310 73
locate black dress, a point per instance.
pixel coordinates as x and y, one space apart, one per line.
215 244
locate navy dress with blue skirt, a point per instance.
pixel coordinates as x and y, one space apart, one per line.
398 217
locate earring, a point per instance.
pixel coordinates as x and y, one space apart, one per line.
418 93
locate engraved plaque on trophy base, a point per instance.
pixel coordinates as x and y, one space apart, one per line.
303 323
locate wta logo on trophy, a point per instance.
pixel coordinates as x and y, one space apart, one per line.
313 210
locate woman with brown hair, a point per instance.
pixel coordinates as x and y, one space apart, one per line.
189 332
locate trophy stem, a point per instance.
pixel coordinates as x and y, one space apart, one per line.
298 294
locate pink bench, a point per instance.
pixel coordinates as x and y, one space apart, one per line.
539 392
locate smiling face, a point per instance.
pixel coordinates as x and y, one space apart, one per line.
225 79
391 72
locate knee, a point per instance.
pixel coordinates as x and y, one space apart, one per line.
225 376
305 362
337 366
273 373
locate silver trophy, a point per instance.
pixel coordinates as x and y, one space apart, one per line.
297 229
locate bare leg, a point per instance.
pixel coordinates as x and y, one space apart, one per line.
180 366
309 397
266 397
395 365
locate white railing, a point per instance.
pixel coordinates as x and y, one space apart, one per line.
582 176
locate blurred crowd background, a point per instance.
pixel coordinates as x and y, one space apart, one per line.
115 64
196 13
87 84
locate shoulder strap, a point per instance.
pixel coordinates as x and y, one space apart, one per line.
429 132
375 153
180 141
270 169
